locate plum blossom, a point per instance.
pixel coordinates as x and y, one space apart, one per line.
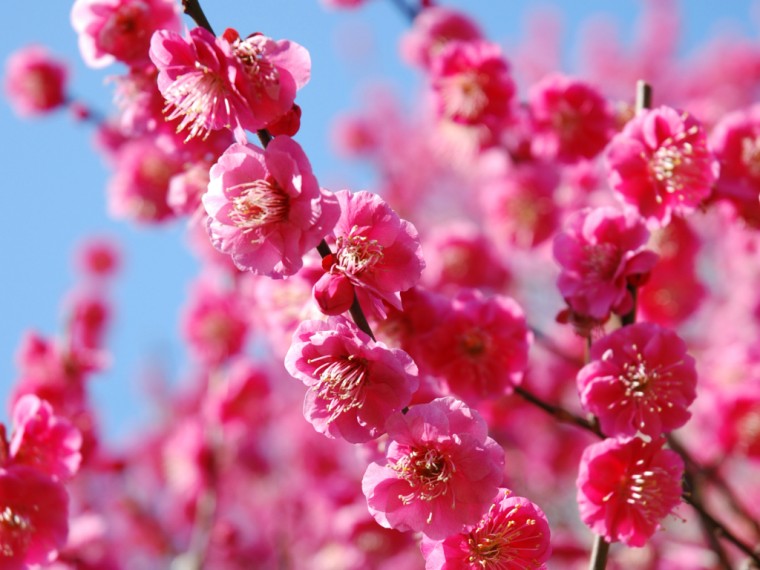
33 517
35 81
639 378
513 534
376 255
472 87
212 83
479 349
601 252
43 440
441 471
354 383
265 207
626 486
121 30
660 164
571 120
739 421
432 29
736 142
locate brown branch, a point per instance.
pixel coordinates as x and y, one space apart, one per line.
193 9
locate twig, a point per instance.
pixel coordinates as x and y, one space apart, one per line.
193 9
558 412
599 553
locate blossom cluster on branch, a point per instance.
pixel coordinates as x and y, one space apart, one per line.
533 345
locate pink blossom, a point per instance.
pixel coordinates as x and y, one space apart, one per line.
627 486
120 29
441 472
514 535
266 209
432 29
736 142
44 440
98 257
660 164
213 323
571 119
138 188
518 200
601 252
35 82
472 86
354 383
214 83
33 517
739 421
480 347
375 252
639 378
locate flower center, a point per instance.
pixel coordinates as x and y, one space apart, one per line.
342 382
257 66
15 532
258 203
751 155
645 493
474 342
427 471
678 166
600 261
499 542
356 254
463 96
200 98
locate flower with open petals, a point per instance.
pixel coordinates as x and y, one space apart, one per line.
265 207
660 164
513 535
214 83
355 384
601 252
627 486
639 379
441 473
376 254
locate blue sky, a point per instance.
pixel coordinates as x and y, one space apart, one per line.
54 181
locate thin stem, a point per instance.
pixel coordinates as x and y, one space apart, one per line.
193 9
710 531
643 95
558 412
630 317
409 11
599 554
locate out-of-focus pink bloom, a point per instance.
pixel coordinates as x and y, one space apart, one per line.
214 83
480 347
441 472
98 257
120 30
739 422
138 188
89 314
514 534
627 486
354 135
674 290
459 255
266 209
472 86
571 119
33 518
35 82
244 397
660 164
375 250
43 440
639 379
342 3
518 201
213 323
736 142
432 29
355 384
601 252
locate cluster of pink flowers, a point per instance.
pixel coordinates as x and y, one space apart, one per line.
424 381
